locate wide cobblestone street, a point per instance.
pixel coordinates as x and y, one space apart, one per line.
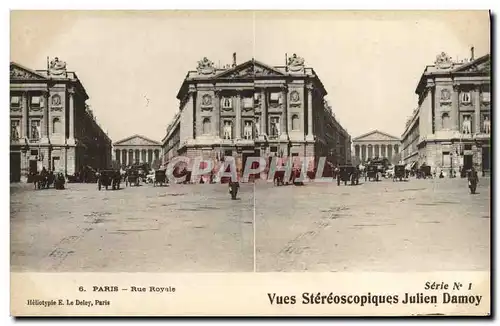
181 228
420 225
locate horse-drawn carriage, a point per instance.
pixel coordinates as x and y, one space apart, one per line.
372 172
108 178
347 173
424 171
43 179
280 176
160 178
399 173
132 178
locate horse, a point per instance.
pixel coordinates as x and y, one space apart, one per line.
43 180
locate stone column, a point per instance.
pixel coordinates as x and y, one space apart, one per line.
71 138
477 110
263 119
46 113
25 130
217 131
286 120
237 109
309 136
455 112
150 156
389 152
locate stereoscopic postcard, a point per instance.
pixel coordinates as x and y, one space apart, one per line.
250 163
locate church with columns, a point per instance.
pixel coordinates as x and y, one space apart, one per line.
51 126
376 144
137 149
253 109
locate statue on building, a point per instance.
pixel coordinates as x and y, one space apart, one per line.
57 67
486 125
277 127
228 130
205 66
443 61
466 126
35 131
15 131
295 63
247 130
257 128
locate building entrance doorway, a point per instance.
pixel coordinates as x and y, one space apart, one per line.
467 162
15 167
485 158
56 164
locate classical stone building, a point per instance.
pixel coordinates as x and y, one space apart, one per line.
451 126
50 124
376 144
136 149
253 109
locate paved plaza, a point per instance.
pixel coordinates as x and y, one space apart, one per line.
420 225
181 228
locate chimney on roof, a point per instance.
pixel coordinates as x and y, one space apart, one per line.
234 59
472 53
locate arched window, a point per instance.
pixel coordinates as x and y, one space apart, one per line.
226 102
206 126
466 97
295 122
56 126
445 121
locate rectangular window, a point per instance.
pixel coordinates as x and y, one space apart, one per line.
15 129
35 129
15 101
446 159
274 98
35 100
247 102
485 97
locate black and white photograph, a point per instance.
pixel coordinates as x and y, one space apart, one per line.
250 141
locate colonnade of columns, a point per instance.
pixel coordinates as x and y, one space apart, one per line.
364 152
134 155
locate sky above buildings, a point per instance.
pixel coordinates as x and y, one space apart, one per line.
132 64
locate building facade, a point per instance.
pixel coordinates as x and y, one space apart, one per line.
376 144
137 149
253 109
450 129
50 124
